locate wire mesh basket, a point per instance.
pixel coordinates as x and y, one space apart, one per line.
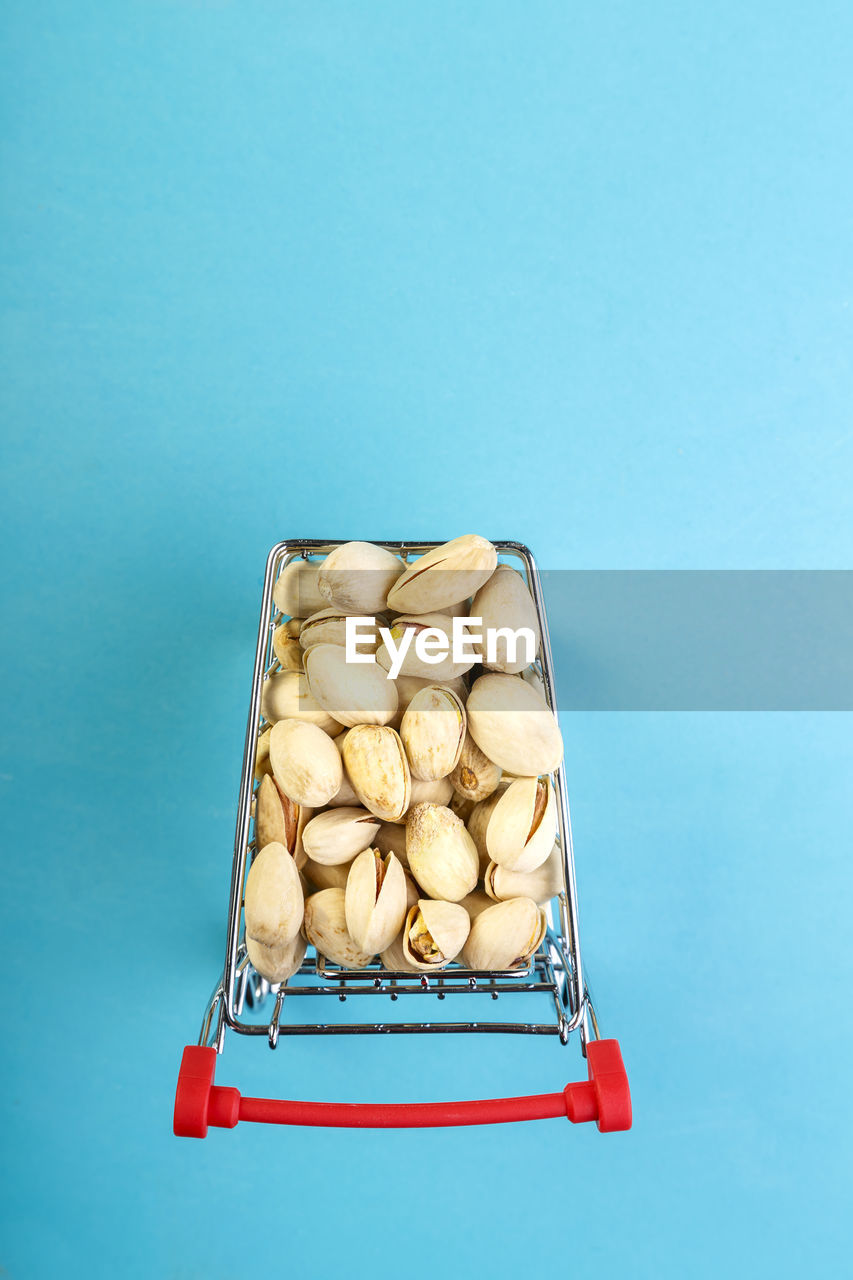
553 980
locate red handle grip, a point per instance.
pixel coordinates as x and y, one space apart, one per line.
605 1098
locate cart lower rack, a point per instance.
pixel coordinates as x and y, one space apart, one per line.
554 976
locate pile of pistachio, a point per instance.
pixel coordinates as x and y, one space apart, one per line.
414 819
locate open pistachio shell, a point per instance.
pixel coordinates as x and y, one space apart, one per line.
513 726
505 604
412 664
273 900
505 935
433 730
305 762
357 576
522 827
277 964
434 933
375 903
408 686
338 835
444 576
376 763
351 692
442 856
296 591
541 885
286 696
276 817
474 775
325 927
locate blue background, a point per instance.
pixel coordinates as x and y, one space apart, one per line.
574 274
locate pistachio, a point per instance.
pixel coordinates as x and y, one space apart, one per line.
273 901
391 838
411 664
437 792
522 827
337 835
321 876
513 725
286 696
434 933
461 806
408 686
444 576
352 693
376 762
476 902
277 964
442 855
325 928
504 603
357 576
305 762
541 885
329 626
262 755
293 627
474 776
375 902
433 730
393 958
479 821
286 649
296 591
505 935
279 820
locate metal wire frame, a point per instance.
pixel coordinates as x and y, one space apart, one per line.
556 969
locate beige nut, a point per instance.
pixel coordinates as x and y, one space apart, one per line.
286 696
444 576
479 821
476 902
296 591
376 763
437 792
433 730
505 935
273 900
541 885
522 827
276 964
505 604
375 903
357 576
391 838
442 856
440 643
279 820
320 876
474 776
305 762
351 692
287 649
337 835
434 933
329 626
513 725
393 958
408 686
325 927
262 755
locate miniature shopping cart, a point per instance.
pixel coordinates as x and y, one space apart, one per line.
553 979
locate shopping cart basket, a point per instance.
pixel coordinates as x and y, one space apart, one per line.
245 1002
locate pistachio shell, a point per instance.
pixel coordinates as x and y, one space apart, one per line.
329 626
474 776
376 762
442 855
461 806
391 838
276 817
513 725
375 903
305 762
505 602
541 885
505 935
320 876
357 576
277 964
337 835
296 591
433 730
393 958
408 686
286 696
293 627
444 576
287 649
352 692
325 927
273 901
522 827
412 664
262 756
434 933
437 792
345 795
476 902
479 821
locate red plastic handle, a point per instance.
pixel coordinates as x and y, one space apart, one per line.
604 1098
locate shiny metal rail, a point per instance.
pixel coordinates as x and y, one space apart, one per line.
555 971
